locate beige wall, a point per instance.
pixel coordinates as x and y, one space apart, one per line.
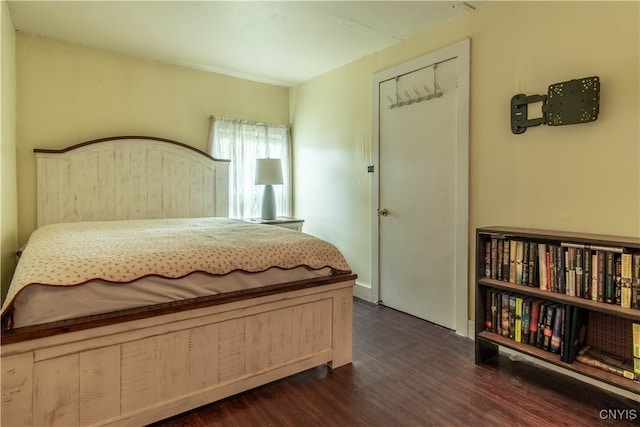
579 177
69 94
8 183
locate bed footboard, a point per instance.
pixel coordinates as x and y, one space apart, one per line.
145 370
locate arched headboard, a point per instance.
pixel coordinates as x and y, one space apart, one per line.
129 177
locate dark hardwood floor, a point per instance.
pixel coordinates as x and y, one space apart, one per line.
408 372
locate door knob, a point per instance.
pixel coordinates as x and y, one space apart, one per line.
383 212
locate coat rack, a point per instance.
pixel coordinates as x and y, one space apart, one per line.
420 96
571 102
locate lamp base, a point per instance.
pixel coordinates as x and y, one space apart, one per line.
268 203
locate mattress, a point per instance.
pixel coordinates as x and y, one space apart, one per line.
70 270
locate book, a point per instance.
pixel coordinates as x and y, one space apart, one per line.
560 270
626 261
533 321
494 257
533 262
606 361
556 333
601 275
517 327
499 250
570 263
506 251
519 262
525 264
635 330
488 316
608 278
617 278
586 289
579 267
505 314
487 259
548 327
544 307
635 280
576 333
553 284
594 276
497 315
526 319
542 266
512 317
513 250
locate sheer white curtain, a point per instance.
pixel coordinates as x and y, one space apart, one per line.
243 142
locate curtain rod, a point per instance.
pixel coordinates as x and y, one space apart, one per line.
248 122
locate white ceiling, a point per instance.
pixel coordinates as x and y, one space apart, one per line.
278 42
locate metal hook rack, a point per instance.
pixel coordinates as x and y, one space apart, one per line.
420 96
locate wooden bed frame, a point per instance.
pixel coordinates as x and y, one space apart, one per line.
138 366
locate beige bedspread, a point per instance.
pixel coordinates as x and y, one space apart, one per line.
71 254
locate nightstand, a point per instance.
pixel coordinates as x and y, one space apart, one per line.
281 221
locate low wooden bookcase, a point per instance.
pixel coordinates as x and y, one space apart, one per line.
518 272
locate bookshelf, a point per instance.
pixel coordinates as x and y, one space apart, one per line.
595 301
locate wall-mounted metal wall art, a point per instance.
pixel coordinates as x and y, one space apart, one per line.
572 102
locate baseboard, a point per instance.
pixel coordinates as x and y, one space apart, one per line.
363 292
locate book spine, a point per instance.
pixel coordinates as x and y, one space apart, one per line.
544 307
526 319
609 274
556 338
560 270
487 259
517 332
579 265
635 280
570 262
499 250
505 260
635 331
601 275
595 271
525 264
552 268
488 319
542 266
513 250
548 328
505 314
586 291
494 257
617 279
512 317
533 322
533 261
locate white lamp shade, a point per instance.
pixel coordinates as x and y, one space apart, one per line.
268 171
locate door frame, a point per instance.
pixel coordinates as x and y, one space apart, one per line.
460 51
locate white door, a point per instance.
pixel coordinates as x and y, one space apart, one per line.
418 194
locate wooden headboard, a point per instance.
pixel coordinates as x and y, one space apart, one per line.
129 177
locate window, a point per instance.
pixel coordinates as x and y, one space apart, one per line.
243 142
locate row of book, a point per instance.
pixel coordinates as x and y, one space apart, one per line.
553 327
604 274
612 363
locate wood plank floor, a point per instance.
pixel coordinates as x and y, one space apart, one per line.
408 372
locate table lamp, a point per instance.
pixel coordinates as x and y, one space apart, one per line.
268 173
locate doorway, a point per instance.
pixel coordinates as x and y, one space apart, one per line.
420 200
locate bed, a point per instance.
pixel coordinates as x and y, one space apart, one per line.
219 322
